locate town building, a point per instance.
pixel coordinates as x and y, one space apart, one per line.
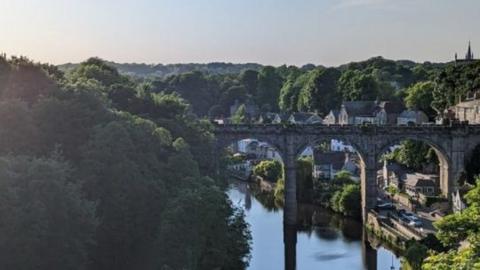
339 146
457 203
468 110
372 112
255 149
421 184
332 118
327 164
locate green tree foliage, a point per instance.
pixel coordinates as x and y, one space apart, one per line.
249 79
197 213
357 86
270 170
420 96
22 79
320 92
46 221
413 154
454 83
135 155
268 87
415 254
455 229
347 201
98 70
240 116
18 131
343 178
198 90
290 91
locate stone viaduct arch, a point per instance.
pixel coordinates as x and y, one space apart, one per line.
453 144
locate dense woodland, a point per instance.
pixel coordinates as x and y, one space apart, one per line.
109 169
92 178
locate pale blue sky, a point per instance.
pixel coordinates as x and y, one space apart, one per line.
328 32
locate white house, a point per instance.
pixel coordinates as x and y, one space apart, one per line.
457 203
373 112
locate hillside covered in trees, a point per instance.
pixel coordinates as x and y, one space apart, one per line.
99 172
212 88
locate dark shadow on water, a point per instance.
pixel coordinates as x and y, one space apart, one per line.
323 224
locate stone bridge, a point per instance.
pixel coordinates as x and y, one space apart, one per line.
453 145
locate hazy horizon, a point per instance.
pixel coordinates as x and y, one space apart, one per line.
268 32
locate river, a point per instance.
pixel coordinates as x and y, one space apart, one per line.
334 242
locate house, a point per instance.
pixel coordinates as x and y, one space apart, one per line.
257 150
272 118
457 203
409 117
332 118
339 146
425 184
326 165
373 112
467 111
303 118
269 118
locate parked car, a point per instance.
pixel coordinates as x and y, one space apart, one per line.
410 216
386 206
416 223
404 220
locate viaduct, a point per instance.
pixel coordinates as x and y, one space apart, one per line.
453 145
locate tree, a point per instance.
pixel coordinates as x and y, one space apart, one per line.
415 254
26 81
197 89
249 79
414 154
98 70
268 88
46 221
347 200
354 85
240 116
420 96
18 132
320 92
270 170
343 178
454 229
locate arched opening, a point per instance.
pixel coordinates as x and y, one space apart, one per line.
329 173
415 174
257 163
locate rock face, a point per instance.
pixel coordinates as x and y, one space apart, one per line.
453 145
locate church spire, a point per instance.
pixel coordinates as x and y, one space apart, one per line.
469 55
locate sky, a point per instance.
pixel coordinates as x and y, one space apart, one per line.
273 32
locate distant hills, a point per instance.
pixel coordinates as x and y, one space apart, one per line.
216 68
162 71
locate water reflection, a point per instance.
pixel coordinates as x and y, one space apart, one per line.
321 240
